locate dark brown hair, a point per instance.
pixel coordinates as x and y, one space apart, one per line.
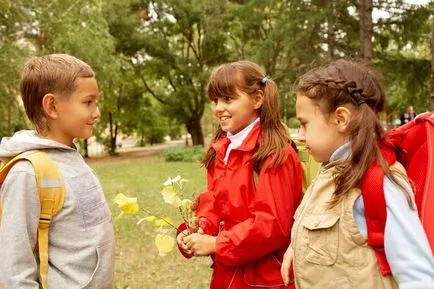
246 76
54 73
352 83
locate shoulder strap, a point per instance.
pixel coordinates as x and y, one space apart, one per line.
51 190
375 206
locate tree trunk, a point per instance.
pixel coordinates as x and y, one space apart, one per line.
366 29
86 148
330 31
186 136
431 94
194 128
113 135
10 95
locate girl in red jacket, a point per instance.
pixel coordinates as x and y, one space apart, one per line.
254 183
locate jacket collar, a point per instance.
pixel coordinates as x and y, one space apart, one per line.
248 144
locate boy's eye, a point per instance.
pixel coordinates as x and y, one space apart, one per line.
228 98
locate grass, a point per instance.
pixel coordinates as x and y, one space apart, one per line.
138 264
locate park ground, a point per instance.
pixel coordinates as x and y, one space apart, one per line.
141 173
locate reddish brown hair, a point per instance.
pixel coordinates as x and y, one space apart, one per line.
246 76
54 73
355 84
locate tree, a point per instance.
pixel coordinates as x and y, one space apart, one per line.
402 55
14 19
366 29
173 46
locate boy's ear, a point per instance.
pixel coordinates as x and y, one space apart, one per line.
49 104
342 117
258 99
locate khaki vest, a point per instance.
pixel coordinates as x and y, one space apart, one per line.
329 251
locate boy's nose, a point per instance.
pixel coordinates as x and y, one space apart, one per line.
96 113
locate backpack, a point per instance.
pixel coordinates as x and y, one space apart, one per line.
413 146
309 166
415 142
51 194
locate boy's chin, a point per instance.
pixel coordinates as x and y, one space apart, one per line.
84 136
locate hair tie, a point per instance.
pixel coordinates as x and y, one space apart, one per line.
356 94
264 80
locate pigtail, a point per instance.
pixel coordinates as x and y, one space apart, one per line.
274 135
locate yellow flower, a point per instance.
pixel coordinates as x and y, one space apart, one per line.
170 196
164 243
186 203
148 219
178 180
164 222
127 205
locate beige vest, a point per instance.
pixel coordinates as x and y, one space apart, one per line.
329 251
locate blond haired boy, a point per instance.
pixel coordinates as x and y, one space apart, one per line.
60 96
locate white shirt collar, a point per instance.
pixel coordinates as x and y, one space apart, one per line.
238 138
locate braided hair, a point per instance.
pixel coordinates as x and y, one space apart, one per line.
357 85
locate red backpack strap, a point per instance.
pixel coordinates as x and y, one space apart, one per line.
375 206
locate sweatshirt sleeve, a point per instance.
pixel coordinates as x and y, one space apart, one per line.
268 229
18 229
406 245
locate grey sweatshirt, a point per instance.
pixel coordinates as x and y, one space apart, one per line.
81 236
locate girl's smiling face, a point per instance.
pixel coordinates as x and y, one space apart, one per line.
236 112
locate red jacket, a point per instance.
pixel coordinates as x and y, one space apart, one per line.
252 225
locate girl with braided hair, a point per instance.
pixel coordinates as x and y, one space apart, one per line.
335 242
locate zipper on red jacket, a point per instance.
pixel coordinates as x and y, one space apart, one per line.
233 278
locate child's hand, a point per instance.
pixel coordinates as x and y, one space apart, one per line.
286 264
181 243
200 244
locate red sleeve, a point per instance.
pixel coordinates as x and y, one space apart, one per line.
209 219
276 199
181 228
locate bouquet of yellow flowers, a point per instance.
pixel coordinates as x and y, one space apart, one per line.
172 195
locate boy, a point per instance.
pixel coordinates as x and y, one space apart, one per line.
60 96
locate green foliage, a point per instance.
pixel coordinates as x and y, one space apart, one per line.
293 123
13 54
164 50
188 154
174 48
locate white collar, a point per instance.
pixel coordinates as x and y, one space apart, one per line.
238 138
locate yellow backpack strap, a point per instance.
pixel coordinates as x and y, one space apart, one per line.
51 190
